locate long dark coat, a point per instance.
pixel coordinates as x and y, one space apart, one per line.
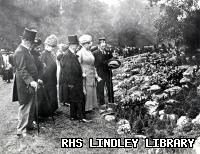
50 80
1 63
26 72
71 74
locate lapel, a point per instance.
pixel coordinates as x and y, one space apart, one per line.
73 55
26 51
100 55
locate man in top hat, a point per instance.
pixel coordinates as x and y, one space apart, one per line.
102 57
26 82
72 80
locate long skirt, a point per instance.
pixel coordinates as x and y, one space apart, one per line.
47 98
91 98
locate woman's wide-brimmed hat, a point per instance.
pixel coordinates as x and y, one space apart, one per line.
51 40
114 63
85 39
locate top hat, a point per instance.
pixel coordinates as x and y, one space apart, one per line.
73 39
29 34
102 39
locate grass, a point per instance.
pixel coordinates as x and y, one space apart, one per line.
49 139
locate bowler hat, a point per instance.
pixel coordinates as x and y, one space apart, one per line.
102 39
73 39
29 34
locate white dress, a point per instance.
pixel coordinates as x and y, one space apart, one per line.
86 60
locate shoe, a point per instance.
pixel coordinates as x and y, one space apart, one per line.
63 104
18 136
23 135
34 127
103 107
72 119
57 112
85 121
67 104
27 135
109 109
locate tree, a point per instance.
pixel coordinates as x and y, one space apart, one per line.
173 18
130 23
135 23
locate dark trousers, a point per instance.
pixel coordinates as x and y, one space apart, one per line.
106 80
77 110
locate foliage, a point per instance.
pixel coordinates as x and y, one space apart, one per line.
131 22
179 21
174 104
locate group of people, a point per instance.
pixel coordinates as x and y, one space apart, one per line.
6 69
76 74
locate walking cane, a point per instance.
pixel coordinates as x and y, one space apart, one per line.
37 110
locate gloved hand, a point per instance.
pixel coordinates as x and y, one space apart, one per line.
99 79
40 81
84 91
34 84
84 75
71 86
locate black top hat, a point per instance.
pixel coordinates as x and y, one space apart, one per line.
73 39
102 38
29 34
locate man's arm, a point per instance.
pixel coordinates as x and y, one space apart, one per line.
21 64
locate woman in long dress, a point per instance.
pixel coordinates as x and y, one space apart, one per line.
49 78
90 76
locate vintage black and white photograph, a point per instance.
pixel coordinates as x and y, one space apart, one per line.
100 76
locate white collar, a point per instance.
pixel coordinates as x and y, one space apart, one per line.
25 46
72 50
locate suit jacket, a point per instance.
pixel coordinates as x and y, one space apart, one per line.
26 72
1 59
38 62
101 62
71 77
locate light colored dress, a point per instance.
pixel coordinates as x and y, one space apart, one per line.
86 60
